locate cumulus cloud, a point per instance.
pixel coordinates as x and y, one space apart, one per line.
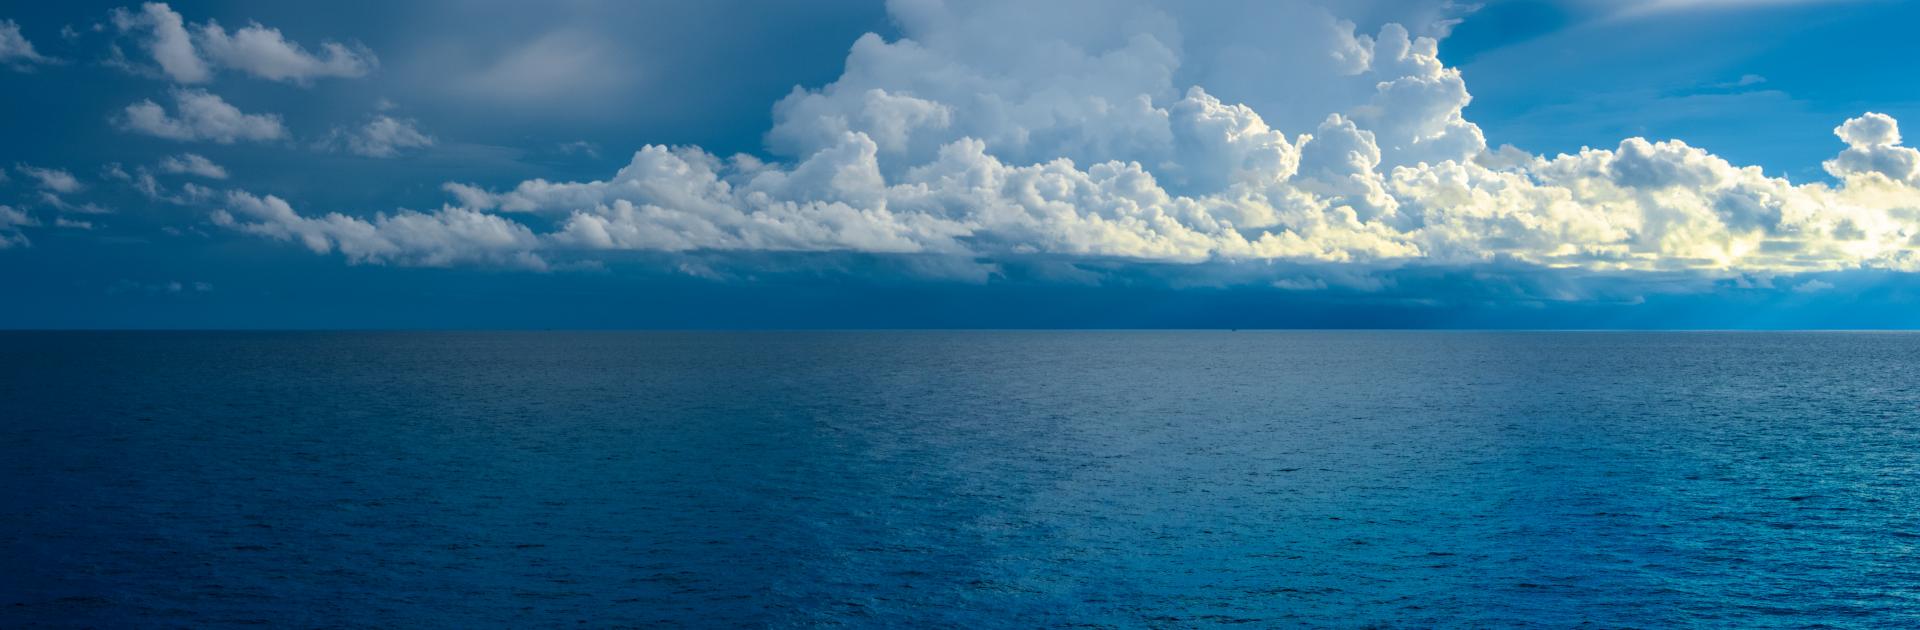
189 53
192 164
1873 149
16 52
51 179
381 137
1174 133
264 53
444 237
200 115
164 35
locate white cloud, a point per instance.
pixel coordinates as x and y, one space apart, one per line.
996 128
55 201
445 237
194 193
51 179
200 115
381 137
1873 149
11 221
16 52
166 39
189 53
53 183
192 164
142 180
264 53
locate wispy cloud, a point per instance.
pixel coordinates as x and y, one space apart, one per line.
1644 8
16 52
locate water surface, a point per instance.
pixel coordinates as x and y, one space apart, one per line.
960 479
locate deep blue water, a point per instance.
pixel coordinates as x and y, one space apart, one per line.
960 479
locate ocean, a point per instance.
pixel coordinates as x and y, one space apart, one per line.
959 479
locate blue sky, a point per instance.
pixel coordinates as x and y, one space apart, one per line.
1123 163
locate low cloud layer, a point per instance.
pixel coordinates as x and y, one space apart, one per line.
996 129
450 236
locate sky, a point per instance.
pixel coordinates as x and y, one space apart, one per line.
937 163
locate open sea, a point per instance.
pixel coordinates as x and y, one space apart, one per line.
960 479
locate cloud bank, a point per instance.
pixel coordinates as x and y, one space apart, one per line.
1164 132
450 236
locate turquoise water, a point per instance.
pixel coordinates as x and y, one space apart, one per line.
960 479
